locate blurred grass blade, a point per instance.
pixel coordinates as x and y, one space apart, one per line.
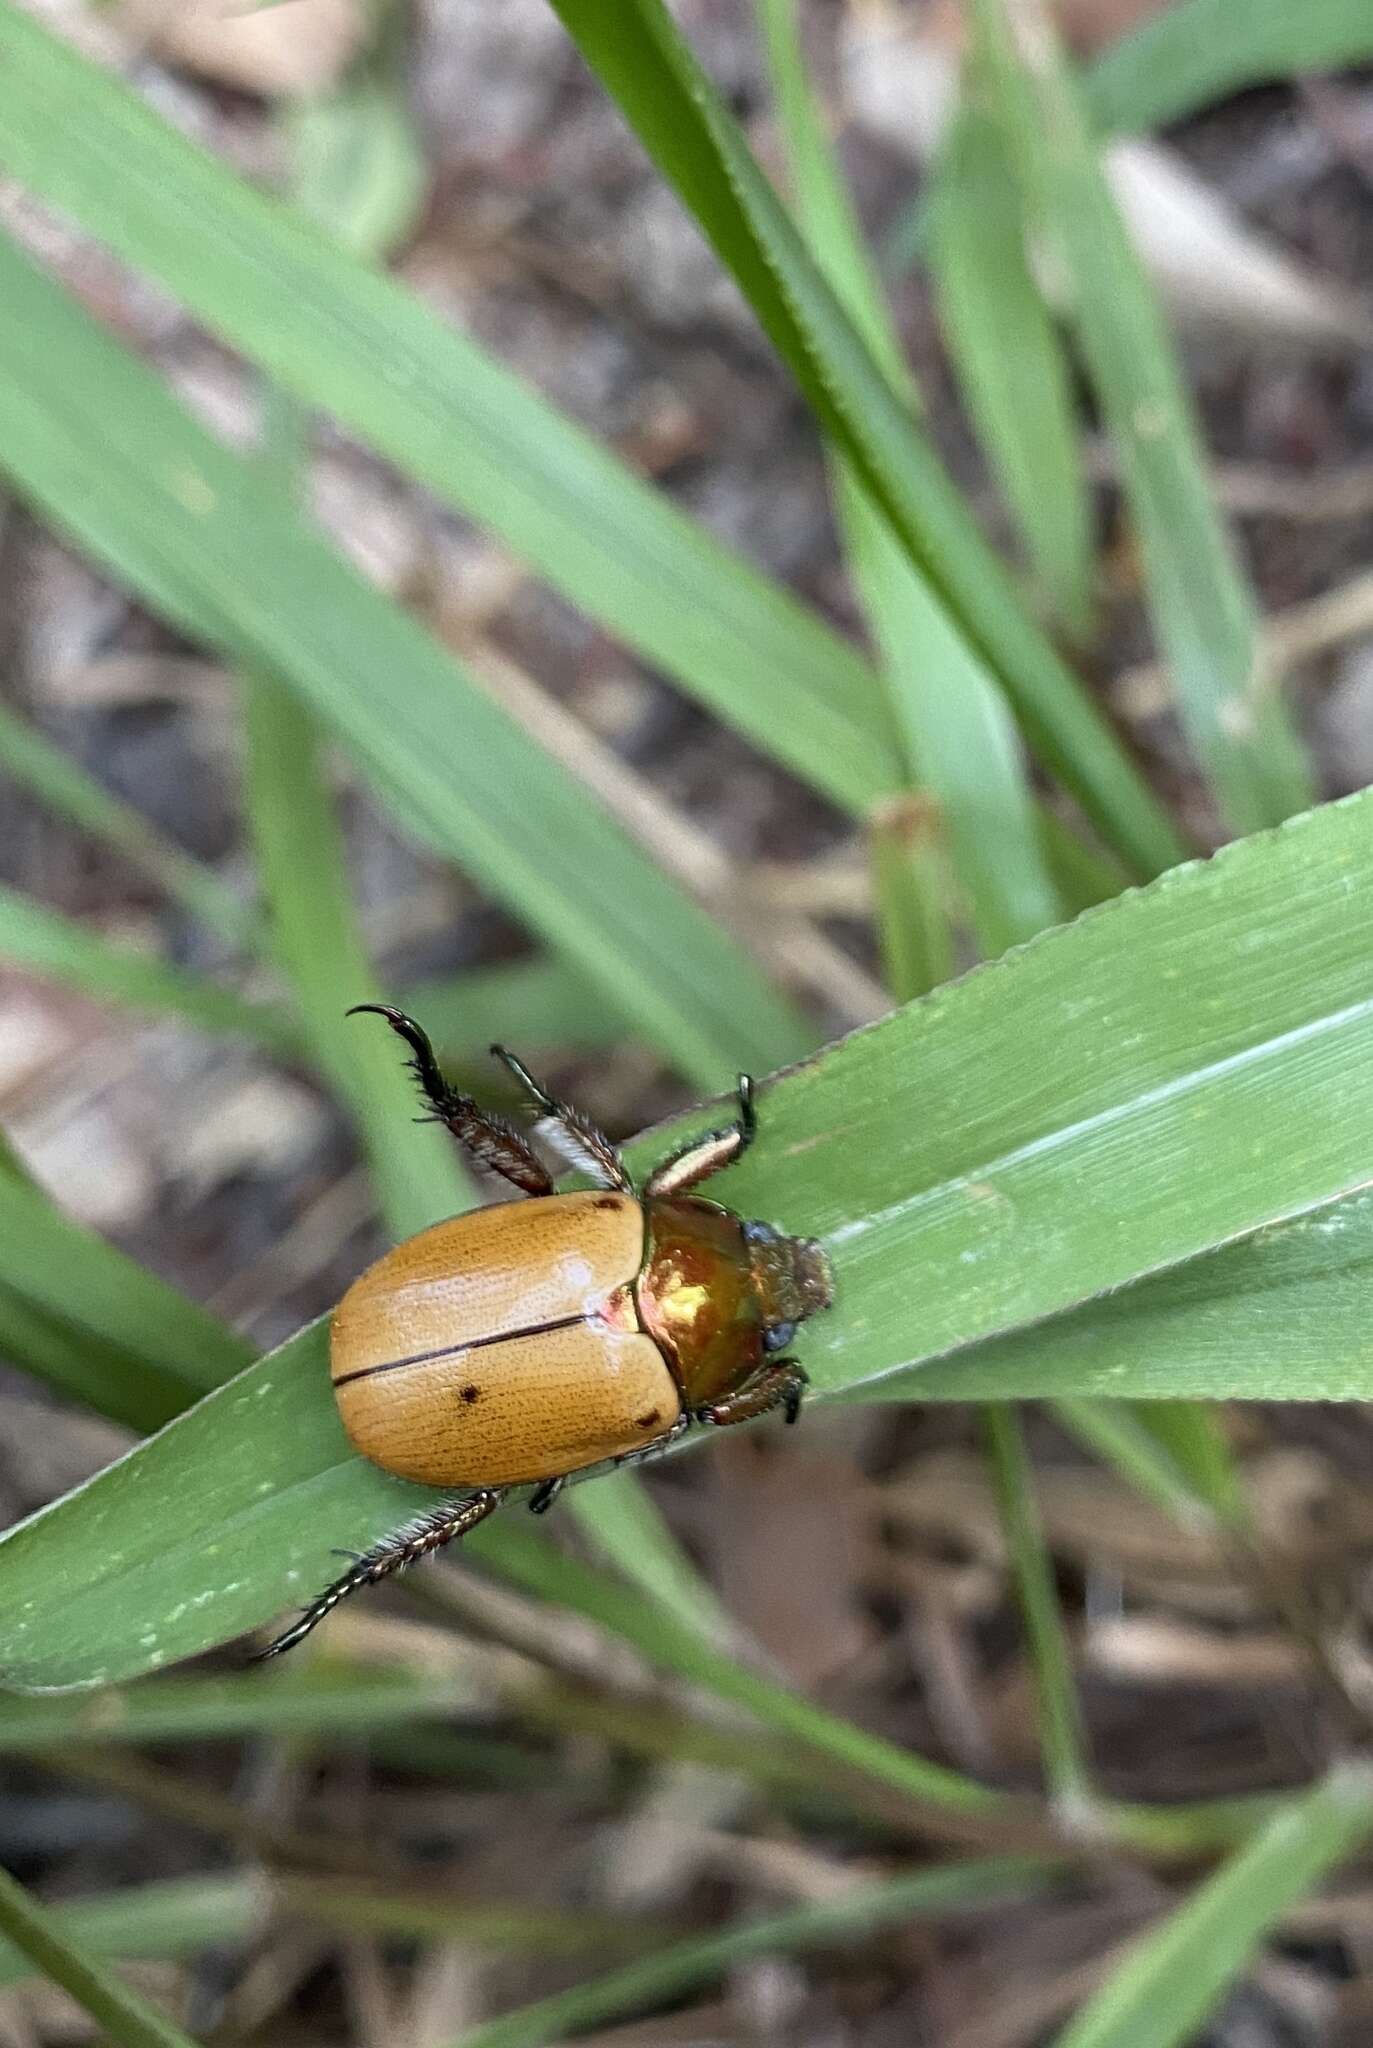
44 942
642 59
91 436
539 1004
683 1966
54 1265
28 757
959 738
1116 1433
82 1366
153 1922
1020 396
622 1521
1198 51
322 1697
121 2014
974 1140
365 350
1202 609
357 165
302 865
1175 1978
1062 1737
912 893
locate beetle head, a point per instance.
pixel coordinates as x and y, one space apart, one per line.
792 1277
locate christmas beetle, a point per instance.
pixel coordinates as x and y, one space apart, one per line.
521 1342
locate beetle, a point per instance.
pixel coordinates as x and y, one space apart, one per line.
524 1341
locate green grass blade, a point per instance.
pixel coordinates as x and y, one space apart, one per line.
912 897
28 757
53 1265
1177 1975
92 437
152 1922
1020 397
322 1697
1062 1737
1199 51
958 735
124 2017
354 344
539 1004
1021 1157
1116 1432
683 1966
44 942
1202 609
301 863
644 62
1282 1315
82 1366
624 1523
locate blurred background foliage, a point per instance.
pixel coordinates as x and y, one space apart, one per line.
658 536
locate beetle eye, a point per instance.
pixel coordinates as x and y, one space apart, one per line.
778 1336
759 1233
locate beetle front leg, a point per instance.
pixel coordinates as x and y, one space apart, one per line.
782 1384
709 1153
427 1532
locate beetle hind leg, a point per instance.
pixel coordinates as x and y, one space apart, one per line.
708 1153
427 1532
490 1139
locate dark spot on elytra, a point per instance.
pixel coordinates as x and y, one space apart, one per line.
607 1201
648 1421
471 1393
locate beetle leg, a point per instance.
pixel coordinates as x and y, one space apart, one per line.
782 1384
427 1532
490 1139
707 1154
543 1497
659 1443
573 1134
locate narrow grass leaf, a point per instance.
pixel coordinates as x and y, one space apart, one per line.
359 346
52 1264
539 1004
643 60
302 866
624 1523
1019 395
1022 1155
1176 1977
912 889
959 738
121 2014
684 1966
1199 51
1116 1433
1061 1734
46 943
82 1366
1281 1316
28 757
1202 609
91 436
152 1922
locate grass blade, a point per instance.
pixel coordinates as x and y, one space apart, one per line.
152 1921
352 343
1061 1734
642 59
92 437
1202 609
46 943
28 757
1199 51
641 1985
958 734
975 1138
125 2018
1021 397
1173 1979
